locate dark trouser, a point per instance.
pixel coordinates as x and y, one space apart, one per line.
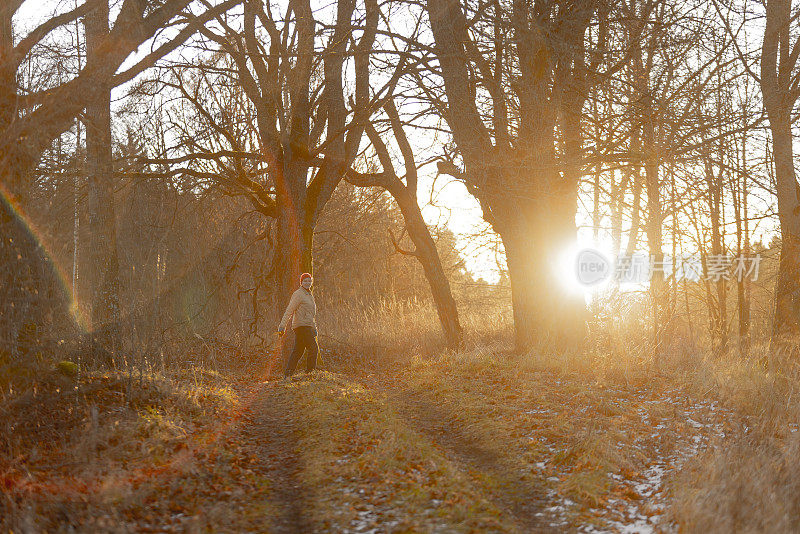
305 338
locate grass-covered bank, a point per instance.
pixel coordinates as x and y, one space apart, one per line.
107 452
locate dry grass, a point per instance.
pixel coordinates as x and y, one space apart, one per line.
585 425
561 423
595 408
392 330
76 452
747 481
366 468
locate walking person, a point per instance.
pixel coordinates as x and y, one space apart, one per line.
302 309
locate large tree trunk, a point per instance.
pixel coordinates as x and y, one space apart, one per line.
787 291
293 253
777 62
523 273
545 311
103 260
8 74
14 160
292 258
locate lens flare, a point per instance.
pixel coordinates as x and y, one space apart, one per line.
17 212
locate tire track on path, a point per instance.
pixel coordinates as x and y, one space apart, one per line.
271 431
523 501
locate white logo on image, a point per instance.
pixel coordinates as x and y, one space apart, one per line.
592 267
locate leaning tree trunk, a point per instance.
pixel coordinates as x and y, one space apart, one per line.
428 256
405 194
103 258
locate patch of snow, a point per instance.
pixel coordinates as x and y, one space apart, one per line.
538 411
694 423
644 514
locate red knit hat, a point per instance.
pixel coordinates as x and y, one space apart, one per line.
304 276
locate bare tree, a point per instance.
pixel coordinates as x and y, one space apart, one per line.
32 118
516 78
405 194
309 120
780 88
278 68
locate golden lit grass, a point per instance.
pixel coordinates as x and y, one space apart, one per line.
588 405
574 418
366 468
751 483
394 329
748 481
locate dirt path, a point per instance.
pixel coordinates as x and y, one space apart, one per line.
506 488
269 429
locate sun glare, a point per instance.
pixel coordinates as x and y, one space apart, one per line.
584 267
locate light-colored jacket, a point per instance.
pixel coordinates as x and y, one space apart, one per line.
302 309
